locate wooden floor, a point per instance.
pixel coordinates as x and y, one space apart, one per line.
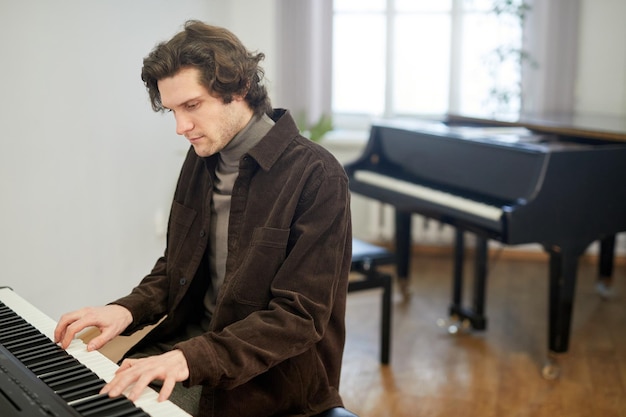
496 372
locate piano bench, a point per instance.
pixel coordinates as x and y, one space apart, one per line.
336 412
366 258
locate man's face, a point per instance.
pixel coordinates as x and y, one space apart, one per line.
204 120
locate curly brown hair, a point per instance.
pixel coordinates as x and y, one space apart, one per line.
227 68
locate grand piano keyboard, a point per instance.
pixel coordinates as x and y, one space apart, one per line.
39 378
444 199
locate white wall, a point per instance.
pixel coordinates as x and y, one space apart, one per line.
87 169
254 22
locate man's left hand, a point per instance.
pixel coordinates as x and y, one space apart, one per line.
169 367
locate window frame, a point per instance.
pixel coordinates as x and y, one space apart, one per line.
304 82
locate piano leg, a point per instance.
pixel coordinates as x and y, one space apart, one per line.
563 267
459 261
403 250
605 270
462 318
479 321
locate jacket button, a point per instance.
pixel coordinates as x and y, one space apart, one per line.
183 281
202 233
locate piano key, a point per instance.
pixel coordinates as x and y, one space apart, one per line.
45 365
32 354
25 340
51 364
84 390
105 407
74 391
11 321
124 413
15 332
74 375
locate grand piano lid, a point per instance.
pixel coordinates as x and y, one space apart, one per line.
585 125
501 135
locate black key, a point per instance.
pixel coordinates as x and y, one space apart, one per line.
16 332
104 406
70 382
75 392
31 354
84 390
26 340
33 350
52 365
64 374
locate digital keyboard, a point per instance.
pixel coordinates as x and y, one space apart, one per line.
561 187
39 378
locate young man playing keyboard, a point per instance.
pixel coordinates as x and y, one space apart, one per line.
251 288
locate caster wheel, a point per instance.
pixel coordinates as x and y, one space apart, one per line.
604 289
454 325
405 290
551 370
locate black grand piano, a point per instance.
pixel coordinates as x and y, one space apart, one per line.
554 180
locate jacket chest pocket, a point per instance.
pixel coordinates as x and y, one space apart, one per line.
265 255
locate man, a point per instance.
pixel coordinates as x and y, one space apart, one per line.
251 288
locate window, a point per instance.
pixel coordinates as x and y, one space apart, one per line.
396 58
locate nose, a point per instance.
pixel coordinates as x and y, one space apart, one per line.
183 124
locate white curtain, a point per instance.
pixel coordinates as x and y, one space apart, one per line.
304 69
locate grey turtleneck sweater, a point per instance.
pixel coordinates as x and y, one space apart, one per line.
226 173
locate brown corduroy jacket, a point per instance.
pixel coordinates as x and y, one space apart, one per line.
276 338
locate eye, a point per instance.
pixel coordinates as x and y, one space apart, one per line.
192 105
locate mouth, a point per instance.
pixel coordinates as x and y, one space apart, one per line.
194 139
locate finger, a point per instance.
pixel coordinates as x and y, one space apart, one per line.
70 332
59 332
166 389
139 386
114 388
98 341
118 384
61 328
126 363
66 337
105 389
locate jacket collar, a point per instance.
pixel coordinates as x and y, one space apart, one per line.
272 145
280 136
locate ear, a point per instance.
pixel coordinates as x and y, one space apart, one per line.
242 96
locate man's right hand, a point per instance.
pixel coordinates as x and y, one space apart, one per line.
111 320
